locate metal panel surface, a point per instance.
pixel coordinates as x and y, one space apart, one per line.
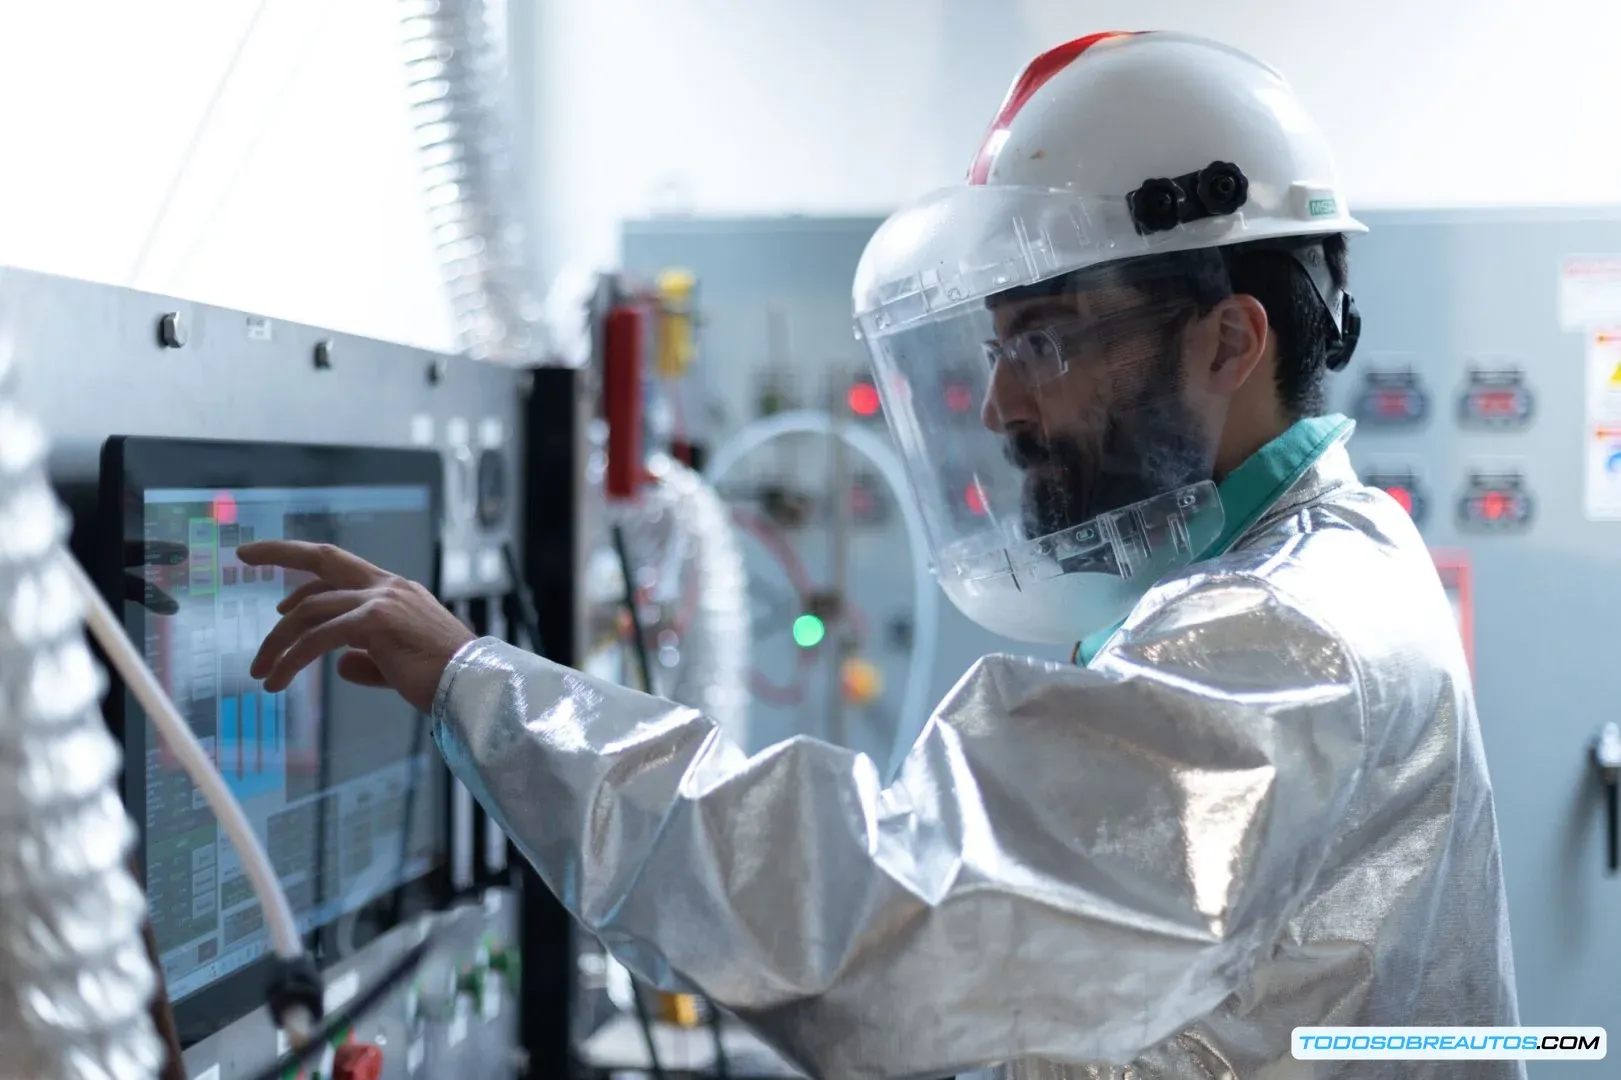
1442 293
94 362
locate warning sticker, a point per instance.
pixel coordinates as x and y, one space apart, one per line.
1604 377
1589 291
1604 473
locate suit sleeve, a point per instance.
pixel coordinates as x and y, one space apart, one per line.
1070 863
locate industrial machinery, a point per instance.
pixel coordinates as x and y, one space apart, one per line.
1487 391
800 453
177 432
809 534
663 599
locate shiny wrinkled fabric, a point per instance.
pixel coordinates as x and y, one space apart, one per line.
1264 805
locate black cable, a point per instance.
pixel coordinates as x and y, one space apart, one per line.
519 605
638 642
639 648
646 1021
723 1068
345 1018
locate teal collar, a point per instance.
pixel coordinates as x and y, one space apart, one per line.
1252 489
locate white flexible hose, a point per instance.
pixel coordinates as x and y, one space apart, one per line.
178 737
456 67
925 595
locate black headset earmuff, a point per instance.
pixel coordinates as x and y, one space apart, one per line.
1341 348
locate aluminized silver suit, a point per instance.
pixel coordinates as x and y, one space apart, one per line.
1264 805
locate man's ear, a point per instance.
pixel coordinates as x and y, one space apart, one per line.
1240 327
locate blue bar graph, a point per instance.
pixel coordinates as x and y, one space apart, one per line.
251 754
252 750
273 756
230 738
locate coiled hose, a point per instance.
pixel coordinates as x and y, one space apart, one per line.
682 527
456 75
75 978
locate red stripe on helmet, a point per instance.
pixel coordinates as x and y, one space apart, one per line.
1033 78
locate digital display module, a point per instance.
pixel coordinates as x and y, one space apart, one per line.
340 782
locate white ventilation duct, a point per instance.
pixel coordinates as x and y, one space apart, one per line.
75 980
457 78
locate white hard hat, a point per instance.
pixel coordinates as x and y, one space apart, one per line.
1110 147
1106 113
1107 150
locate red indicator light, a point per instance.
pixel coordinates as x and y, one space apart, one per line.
1403 497
863 399
1392 403
959 399
1493 505
1495 403
224 509
975 500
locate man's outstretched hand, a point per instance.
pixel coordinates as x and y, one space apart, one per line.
398 635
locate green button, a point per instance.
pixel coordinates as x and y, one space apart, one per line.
507 962
472 983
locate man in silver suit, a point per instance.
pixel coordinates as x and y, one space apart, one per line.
1258 798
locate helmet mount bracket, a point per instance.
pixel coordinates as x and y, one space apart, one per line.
1161 204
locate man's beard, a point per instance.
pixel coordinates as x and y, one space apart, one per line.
1146 449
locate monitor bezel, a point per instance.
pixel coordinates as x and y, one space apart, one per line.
132 465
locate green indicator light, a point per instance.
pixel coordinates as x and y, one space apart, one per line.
809 631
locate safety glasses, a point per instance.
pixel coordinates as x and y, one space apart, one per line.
1042 354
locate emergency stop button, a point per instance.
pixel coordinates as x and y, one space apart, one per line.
358 1061
1403 486
1392 398
1496 502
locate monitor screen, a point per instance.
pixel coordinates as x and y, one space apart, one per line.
340 781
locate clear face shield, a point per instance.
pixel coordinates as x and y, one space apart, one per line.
1055 439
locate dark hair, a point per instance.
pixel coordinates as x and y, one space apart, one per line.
1262 269
1296 314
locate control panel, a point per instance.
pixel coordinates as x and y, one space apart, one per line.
454 1016
161 367
1513 489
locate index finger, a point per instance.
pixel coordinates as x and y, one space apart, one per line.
332 565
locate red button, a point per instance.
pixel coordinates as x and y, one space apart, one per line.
863 399
358 1061
1403 497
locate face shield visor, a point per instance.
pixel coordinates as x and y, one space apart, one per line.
1050 422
